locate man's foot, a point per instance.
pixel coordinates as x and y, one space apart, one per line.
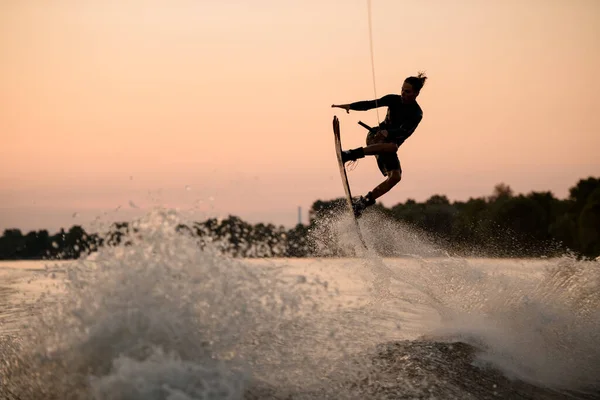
359 205
352 155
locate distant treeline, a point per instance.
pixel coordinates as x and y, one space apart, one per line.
500 225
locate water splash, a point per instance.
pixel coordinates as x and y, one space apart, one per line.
538 321
162 317
544 331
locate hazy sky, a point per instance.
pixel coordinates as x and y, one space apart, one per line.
223 107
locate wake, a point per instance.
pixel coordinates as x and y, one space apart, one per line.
165 318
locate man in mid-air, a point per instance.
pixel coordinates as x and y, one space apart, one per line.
403 116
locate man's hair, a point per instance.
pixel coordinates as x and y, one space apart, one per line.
417 82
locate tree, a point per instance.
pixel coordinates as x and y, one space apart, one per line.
589 225
36 244
437 199
12 244
501 192
582 190
326 209
297 243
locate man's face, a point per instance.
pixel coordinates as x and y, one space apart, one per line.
408 94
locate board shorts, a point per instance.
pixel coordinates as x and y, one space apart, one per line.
386 162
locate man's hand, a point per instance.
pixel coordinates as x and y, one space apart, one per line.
344 106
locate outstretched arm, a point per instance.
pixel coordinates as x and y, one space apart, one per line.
365 105
344 106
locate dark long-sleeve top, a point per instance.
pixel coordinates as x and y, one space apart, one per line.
401 119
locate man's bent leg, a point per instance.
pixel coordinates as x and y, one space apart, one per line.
370 150
393 177
380 148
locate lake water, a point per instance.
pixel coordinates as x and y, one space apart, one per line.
165 319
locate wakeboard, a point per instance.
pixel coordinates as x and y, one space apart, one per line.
344 175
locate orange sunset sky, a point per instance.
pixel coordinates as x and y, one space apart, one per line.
223 107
